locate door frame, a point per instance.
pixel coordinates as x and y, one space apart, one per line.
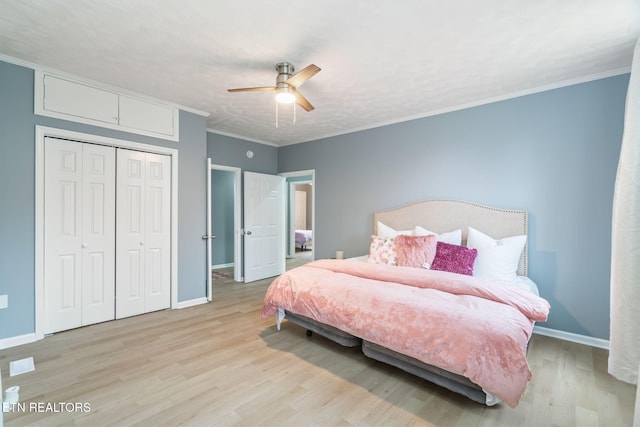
41 133
291 207
237 223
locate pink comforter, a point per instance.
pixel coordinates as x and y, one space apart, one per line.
466 325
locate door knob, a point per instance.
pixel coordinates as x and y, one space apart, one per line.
205 237
248 233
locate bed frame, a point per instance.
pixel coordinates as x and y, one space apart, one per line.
438 216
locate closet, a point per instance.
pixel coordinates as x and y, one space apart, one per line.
106 233
79 224
143 233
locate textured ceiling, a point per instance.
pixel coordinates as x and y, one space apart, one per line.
382 61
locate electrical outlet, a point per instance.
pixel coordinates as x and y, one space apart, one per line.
4 301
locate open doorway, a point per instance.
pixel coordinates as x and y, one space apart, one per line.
300 221
222 198
224 253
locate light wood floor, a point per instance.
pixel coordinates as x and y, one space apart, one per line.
220 364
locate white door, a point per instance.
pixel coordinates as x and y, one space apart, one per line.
264 232
98 235
79 234
142 233
158 233
208 236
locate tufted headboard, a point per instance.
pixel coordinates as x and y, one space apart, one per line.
441 216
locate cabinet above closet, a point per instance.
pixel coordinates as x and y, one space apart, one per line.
68 99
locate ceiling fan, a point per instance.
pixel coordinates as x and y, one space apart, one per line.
287 84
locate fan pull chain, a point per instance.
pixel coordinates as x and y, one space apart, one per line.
276 114
294 113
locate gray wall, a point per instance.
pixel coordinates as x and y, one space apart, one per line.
222 209
229 151
17 197
192 206
17 194
553 153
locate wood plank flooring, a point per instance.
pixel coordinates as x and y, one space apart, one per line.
220 364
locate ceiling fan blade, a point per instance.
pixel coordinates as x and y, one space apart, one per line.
302 101
252 89
302 76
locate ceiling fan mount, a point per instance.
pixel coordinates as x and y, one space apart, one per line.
285 70
287 84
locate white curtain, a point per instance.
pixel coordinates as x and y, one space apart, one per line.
624 353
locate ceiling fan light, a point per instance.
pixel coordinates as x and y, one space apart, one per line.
285 95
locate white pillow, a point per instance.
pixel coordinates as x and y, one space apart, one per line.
386 231
451 237
497 259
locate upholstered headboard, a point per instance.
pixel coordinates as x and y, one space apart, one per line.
441 216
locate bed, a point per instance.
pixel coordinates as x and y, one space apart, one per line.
463 332
303 238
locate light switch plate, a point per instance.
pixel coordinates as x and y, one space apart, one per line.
4 301
21 366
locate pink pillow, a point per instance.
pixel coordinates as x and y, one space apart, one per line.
454 258
382 250
416 251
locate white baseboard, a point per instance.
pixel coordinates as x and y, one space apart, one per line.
29 338
16 341
191 303
569 336
229 264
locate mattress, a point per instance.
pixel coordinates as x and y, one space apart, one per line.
466 325
521 282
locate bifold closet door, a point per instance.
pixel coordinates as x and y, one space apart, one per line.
79 234
143 235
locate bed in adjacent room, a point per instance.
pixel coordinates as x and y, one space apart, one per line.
443 294
303 238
